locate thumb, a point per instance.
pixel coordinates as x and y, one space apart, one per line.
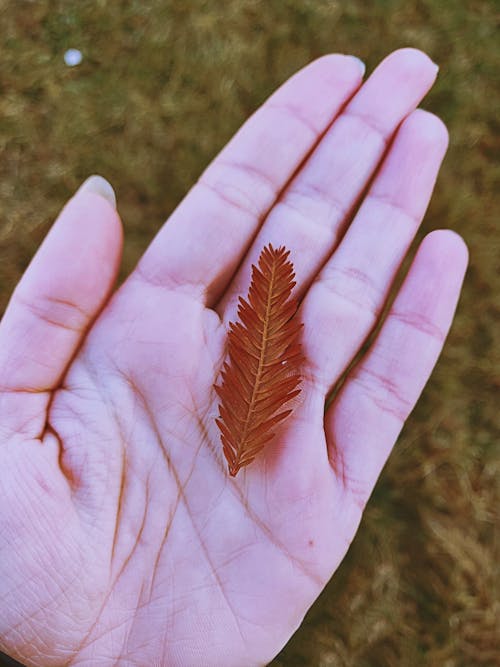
58 297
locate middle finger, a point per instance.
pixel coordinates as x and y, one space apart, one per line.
310 215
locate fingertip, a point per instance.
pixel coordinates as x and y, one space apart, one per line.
446 245
97 185
431 129
352 61
338 67
394 89
442 259
433 123
411 59
93 209
359 64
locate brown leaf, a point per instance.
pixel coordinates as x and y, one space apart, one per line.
263 370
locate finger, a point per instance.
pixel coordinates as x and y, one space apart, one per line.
208 233
348 295
313 210
364 421
59 295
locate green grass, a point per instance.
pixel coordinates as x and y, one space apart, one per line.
162 86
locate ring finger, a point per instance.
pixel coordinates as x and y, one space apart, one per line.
347 297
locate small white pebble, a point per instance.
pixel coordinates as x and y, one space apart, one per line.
73 57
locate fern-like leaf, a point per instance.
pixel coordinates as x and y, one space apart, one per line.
262 373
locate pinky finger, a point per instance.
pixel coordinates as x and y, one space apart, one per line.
364 421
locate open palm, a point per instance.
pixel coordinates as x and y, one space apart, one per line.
123 541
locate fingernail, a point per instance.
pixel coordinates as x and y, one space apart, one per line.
98 185
360 64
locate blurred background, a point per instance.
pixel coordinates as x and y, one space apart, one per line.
161 86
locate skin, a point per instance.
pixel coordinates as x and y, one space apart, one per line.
123 541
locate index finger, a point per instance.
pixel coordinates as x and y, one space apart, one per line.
207 235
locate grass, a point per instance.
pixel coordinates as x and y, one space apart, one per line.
162 86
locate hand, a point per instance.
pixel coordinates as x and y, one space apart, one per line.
122 538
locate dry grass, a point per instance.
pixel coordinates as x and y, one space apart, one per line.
162 86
